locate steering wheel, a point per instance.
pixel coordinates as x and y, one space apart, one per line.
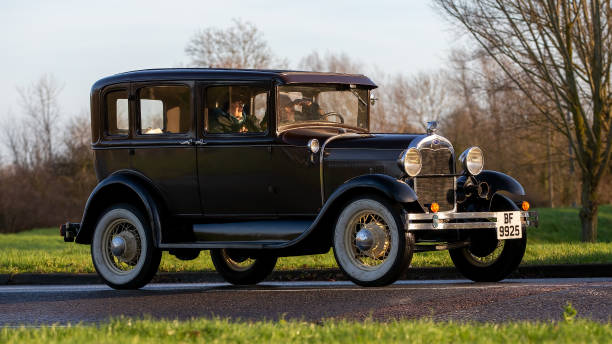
332 113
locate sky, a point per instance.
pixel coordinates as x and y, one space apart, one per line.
79 42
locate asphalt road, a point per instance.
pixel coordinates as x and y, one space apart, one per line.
440 300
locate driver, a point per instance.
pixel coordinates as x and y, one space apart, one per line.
311 111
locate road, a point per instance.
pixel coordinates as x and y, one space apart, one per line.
440 300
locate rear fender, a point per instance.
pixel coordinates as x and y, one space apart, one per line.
119 188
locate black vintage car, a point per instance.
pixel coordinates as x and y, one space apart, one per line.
258 164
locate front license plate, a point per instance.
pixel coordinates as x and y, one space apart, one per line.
509 225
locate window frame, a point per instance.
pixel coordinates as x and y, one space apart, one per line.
203 113
134 96
106 135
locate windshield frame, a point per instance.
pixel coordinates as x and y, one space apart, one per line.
280 128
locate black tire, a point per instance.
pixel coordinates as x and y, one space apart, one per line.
241 270
472 267
370 243
487 259
139 260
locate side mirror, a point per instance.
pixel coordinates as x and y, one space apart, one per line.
373 98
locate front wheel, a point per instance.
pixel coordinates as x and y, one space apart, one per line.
370 243
487 259
122 248
241 269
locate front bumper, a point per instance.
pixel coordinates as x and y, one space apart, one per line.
471 220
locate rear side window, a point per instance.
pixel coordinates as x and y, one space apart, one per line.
164 109
117 122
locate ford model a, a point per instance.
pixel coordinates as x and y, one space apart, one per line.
257 164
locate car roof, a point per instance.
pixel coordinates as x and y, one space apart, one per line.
285 76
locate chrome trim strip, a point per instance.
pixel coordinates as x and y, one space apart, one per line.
425 221
322 156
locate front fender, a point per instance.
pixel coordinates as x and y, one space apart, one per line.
118 188
394 189
497 182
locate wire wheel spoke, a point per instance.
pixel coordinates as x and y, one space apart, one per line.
490 258
132 251
238 264
375 230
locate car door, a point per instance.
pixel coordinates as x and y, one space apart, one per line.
234 153
162 148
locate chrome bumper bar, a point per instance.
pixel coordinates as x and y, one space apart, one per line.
451 220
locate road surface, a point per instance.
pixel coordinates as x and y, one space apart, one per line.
458 300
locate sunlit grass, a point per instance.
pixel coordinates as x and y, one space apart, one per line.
555 242
125 330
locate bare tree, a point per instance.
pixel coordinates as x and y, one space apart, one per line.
418 99
39 101
558 53
239 46
330 62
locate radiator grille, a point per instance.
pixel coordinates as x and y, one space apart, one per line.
436 189
436 161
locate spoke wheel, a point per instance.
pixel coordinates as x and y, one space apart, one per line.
370 244
240 269
487 259
122 248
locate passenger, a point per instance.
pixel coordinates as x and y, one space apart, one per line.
236 118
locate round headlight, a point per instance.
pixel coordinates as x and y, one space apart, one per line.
410 161
472 160
313 145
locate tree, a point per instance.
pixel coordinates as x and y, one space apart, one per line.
416 100
239 46
330 62
40 104
558 53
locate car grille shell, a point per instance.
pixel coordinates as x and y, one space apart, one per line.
436 182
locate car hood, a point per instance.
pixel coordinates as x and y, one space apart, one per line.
301 136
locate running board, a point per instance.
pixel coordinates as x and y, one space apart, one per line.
248 234
440 246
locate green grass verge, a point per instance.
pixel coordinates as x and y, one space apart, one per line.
123 330
556 241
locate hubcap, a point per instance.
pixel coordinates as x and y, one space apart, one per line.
369 240
372 239
122 246
117 246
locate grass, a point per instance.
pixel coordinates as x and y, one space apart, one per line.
556 241
125 330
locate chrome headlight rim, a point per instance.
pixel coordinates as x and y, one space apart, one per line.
472 160
411 162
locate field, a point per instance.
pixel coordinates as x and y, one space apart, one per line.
124 330
556 241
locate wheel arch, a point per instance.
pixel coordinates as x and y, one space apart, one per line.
122 187
321 230
500 182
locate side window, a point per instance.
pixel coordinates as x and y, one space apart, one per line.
164 109
117 122
237 109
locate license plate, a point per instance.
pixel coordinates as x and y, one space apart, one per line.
509 225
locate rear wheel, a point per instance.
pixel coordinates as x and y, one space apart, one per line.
122 248
370 243
241 269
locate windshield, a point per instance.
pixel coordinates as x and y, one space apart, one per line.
337 104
